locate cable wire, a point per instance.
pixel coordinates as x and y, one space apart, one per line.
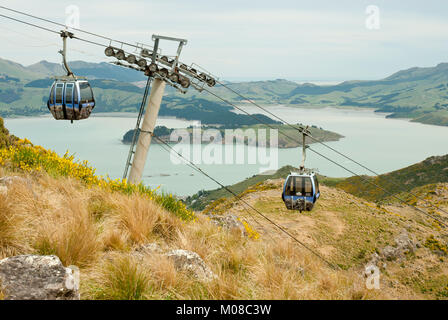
58 32
28 23
195 167
65 26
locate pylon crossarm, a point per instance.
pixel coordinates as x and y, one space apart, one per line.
168 67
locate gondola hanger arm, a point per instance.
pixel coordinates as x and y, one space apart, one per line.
64 35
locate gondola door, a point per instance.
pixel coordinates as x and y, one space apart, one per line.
69 103
59 109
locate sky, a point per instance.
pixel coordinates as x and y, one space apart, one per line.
298 40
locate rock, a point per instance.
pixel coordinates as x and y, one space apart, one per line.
147 249
229 222
33 277
373 263
404 243
390 253
374 259
403 246
185 260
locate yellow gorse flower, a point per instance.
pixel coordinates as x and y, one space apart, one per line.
28 157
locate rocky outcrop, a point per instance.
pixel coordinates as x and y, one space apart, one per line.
149 248
229 222
33 277
183 260
189 261
403 245
146 249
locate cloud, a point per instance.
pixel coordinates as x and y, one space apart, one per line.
289 39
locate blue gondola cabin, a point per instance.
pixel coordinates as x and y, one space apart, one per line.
71 99
300 191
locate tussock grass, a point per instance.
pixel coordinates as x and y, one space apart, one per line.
73 237
142 220
14 229
121 279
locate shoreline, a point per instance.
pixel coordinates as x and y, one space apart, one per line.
268 106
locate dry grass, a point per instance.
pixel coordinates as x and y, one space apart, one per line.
121 278
98 230
13 228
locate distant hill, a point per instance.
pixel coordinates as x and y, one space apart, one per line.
417 93
101 70
203 198
420 94
25 93
430 171
13 69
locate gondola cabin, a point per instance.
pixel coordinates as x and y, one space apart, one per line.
71 99
300 191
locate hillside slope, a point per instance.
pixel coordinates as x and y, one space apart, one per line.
417 93
430 171
354 233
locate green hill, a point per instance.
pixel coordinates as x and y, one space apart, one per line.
101 70
201 199
430 171
417 93
420 94
114 92
12 69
